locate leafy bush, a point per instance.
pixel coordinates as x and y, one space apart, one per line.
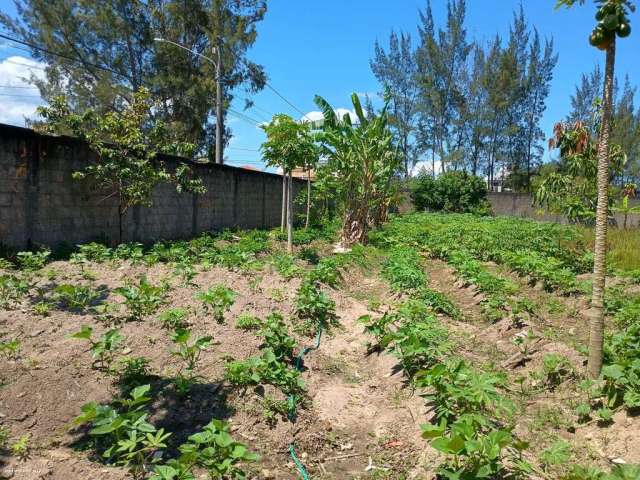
217 300
474 447
326 271
265 369
451 192
142 299
438 302
93 252
458 389
32 261
286 265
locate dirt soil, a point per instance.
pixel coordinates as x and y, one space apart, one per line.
360 420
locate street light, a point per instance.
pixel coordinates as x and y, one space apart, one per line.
217 63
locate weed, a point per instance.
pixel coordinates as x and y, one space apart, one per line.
41 308
10 349
272 408
132 372
4 437
20 448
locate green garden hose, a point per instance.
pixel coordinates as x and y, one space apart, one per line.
292 400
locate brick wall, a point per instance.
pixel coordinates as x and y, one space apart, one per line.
41 204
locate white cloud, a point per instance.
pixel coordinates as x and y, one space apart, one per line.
425 166
19 103
315 116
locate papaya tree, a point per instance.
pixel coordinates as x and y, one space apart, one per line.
612 21
289 145
362 161
127 144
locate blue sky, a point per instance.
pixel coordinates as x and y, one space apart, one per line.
324 47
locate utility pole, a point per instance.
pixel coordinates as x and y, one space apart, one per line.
219 124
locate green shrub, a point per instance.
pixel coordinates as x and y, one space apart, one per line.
32 261
314 307
450 192
12 290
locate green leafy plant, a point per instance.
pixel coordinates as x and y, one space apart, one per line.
121 432
20 448
474 448
214 450
556 369
142 299
286 265
75 297
104 347
457 389
42 308
217 301
314 307
10 349
557 454
326 271
173 318
189 353
403 269
248 322
438 302
132 372
12 290
275 335
32 261
265 369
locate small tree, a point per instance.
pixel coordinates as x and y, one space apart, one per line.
623 206
362 163
289 145
612 21
126 144
570 186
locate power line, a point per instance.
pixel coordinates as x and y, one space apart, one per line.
18 86
67 57
18 95
8 60
244 149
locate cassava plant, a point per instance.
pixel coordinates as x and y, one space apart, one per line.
217 301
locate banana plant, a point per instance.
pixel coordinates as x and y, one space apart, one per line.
362 160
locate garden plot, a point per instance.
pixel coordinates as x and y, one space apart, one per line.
198 358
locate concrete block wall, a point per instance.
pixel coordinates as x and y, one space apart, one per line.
521 205
41 204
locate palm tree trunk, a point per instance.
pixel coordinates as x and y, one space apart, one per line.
290 214
596 328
